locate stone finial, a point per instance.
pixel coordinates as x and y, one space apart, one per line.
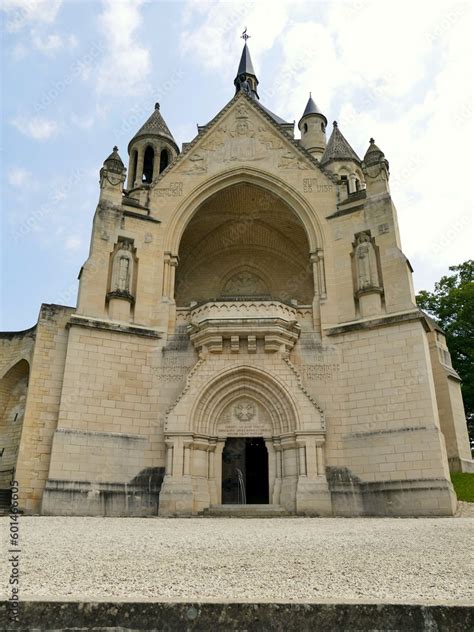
334 124
157 106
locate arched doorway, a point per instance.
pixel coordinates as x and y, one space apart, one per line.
245 477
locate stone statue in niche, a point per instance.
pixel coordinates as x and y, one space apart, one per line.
122 268
124 274
366 263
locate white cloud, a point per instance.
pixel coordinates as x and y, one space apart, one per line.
36 127
125 65
52 43
18 177
22 13
222 24
36 17
83 122
73 244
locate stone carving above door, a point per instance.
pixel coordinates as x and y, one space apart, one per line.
244 410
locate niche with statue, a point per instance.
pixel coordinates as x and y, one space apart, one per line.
122 280
367 275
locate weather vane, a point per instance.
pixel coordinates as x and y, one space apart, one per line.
244 35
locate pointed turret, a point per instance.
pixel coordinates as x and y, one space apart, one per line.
114 163
373 155
376 169
338 148
312 126
151 150
112 177
246 79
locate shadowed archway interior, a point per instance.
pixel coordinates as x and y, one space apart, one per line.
244 243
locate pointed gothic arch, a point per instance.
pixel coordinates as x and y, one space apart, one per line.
244 382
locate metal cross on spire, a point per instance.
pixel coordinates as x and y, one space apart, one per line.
244 35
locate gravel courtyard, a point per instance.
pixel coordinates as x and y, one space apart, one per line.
286 559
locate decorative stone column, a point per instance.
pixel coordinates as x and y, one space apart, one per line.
319 278
139 171
275 498
176 496
312 495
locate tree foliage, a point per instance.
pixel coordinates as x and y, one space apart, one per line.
451 304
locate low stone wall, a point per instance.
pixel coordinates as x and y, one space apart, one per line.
253 617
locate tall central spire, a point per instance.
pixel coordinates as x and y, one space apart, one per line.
246 79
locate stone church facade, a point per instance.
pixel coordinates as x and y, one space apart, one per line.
245 333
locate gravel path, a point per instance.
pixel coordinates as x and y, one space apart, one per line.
236 559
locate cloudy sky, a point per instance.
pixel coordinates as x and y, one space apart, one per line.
80 76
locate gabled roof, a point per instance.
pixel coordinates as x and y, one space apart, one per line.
274 116
213 123
155 126
338 148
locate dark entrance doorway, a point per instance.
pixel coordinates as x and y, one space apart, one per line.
245 471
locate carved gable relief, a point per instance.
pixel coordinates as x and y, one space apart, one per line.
241 137
289 160
196 163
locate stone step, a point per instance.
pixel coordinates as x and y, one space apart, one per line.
245 511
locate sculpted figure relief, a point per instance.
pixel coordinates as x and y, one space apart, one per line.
366 263
122 268
245 284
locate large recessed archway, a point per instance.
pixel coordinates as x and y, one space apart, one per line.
242 243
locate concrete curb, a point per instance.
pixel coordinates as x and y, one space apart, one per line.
251 617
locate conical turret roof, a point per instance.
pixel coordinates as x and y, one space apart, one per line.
374 154
114 162
312 108
155 126
245 65
338 148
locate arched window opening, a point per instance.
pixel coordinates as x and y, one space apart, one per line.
345 181
133 166
323 127
305 128
148 161
164 160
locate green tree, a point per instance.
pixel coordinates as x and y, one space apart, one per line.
451 304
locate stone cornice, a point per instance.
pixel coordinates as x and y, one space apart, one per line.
374 323
120 328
